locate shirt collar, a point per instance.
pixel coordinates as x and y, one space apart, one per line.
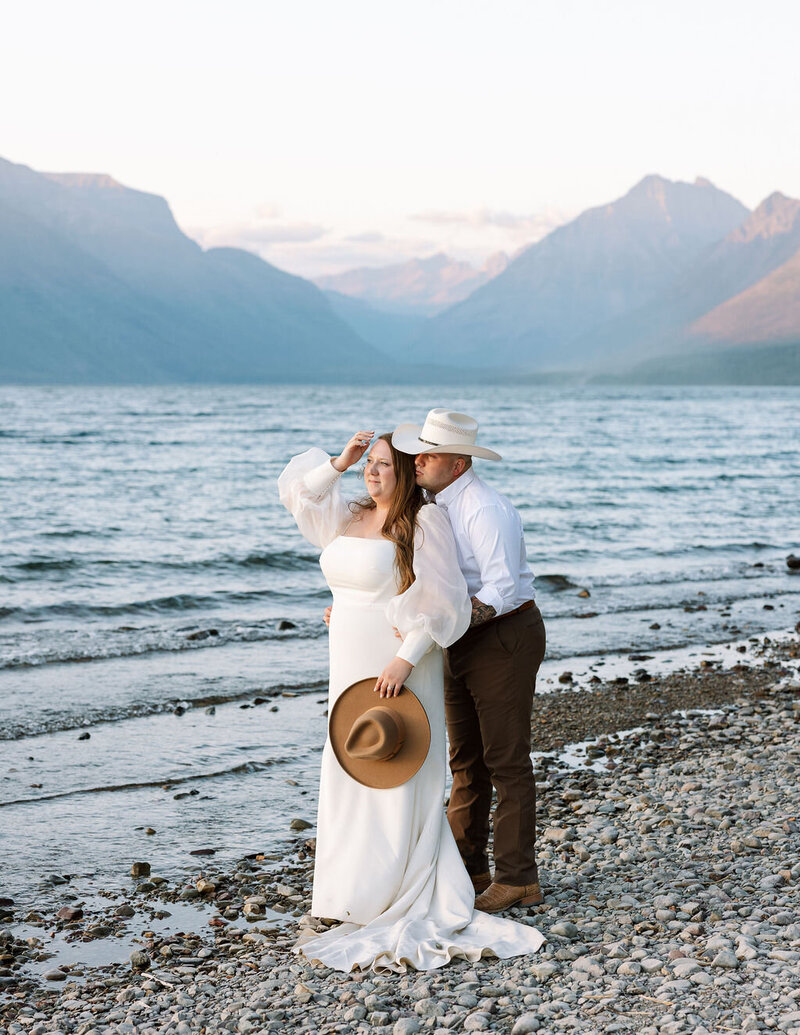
454 489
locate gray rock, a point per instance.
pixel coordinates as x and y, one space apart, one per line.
565 929
406 1026
725 959
477 1022
525 1023
557 835
588 965
428 1008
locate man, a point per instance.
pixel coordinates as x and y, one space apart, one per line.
490 673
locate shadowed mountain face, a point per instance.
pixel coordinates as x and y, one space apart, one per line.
420 287
98 283
743 290
610 261
761 263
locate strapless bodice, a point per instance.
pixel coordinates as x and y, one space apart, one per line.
360 571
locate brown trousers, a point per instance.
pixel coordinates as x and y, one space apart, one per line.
489 681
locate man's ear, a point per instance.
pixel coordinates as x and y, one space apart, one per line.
459 466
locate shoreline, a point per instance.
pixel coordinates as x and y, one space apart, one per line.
669 862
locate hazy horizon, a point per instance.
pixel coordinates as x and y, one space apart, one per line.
330 138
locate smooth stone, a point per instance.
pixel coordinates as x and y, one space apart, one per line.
544 971
477 1022
565 929
405 1026
69 913
526 1022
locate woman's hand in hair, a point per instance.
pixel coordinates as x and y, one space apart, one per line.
390 681
353 451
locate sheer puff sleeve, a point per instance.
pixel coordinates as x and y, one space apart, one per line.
436 607
309 489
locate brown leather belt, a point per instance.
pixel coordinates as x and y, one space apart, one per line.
517 610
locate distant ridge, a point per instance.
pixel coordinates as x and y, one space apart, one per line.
671 283
420 287
608 262
98 284
742 291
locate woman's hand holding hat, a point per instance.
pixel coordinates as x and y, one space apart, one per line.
353 451
390 681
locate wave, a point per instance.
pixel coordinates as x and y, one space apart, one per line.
275 560
556 583
47 564
36 726
133 642
178 602
166 783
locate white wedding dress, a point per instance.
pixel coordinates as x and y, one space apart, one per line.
386 862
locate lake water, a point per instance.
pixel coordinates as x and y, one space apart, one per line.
147 564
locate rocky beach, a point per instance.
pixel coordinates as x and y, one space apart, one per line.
669 849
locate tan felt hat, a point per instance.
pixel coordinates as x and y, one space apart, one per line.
379 741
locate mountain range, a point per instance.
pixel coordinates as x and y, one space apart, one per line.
672 282
99 284
420 287
677 272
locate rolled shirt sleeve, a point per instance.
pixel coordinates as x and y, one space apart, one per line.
495 535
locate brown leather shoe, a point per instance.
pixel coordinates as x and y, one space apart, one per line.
480 881
498 897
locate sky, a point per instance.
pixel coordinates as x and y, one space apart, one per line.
331 134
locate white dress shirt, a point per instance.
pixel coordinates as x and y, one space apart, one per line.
489 540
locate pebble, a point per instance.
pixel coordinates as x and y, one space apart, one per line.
525 1023
648 903
565 929
406 1026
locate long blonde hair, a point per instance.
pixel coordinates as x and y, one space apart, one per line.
401 520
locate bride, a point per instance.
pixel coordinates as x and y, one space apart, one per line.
386 863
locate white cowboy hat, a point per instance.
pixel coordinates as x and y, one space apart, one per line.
444 431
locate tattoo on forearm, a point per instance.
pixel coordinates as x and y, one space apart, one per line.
480 612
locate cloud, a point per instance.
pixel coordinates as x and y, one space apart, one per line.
368 237
532 226
260 234
268 211
334 256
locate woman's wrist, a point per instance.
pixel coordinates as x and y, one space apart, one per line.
336 461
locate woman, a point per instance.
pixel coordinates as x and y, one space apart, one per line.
386 863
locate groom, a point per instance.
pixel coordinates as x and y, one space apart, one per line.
490 673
